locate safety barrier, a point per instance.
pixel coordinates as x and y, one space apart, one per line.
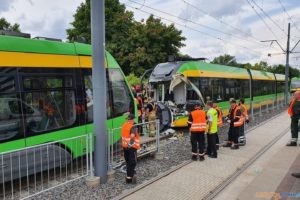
260 107
29 171
149 145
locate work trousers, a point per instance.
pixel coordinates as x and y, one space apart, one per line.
233 134
198 142
131 159
295 127
211 144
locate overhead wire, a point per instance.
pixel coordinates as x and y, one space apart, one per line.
269 17
262 19
193 22
191 28
289 16
225 23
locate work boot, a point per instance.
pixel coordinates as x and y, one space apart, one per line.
291 144
128 180
194 157
201 158
235 146
297 175
213 156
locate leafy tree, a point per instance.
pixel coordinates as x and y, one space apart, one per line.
150 43
225 60
6 26
136 45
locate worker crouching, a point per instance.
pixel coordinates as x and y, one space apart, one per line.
197 125
130 144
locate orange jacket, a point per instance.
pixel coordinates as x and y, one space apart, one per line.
199 121
240 122
290 109
245 111
220 116
126 138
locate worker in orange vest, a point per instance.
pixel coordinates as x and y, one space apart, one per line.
197 125
220 122
294 112
235 120
130 144
244 110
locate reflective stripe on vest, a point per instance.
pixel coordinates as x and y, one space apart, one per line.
126 139
199 121
198 127
240 122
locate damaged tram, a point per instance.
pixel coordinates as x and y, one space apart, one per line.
177 86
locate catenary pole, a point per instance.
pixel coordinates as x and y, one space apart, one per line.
286 88
99 87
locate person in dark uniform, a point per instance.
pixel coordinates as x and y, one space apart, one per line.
294 112
197 124
235 120
130 144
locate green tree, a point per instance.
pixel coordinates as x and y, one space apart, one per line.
136 45
150 43
225 60
6 26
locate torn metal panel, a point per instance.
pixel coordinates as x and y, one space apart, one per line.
180 78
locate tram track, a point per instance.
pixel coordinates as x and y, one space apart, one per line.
213 193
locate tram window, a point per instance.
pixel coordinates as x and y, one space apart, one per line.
89 99
7 84
50 110
47 82
122 100
10 117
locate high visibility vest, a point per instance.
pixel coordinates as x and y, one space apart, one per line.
240 122
214 126
290 109
245 111
220 116
199 121
126 139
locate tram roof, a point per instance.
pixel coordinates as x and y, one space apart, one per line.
68 52
202 69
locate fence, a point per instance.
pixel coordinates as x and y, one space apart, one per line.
149 145
258 107
32 170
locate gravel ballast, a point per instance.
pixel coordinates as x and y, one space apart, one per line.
175 151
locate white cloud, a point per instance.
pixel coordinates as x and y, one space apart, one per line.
42 17
52 18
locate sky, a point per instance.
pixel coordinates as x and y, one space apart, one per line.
211 27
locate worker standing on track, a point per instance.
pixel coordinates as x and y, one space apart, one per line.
294 112
244 110
197 124
212 132
130 144
220 122
235 120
